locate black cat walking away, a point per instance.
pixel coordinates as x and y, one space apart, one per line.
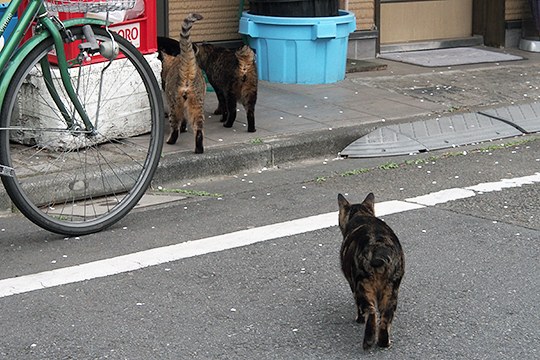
373 263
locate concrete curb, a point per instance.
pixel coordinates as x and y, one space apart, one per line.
235 158
239 157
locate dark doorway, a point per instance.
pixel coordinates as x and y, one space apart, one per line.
163 18
488 20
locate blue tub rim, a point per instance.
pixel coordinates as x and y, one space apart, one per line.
343 17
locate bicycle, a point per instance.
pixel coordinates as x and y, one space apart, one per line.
67 159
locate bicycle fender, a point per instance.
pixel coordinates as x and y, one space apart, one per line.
83 21
24 50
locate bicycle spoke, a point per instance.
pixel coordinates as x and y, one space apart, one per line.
72 180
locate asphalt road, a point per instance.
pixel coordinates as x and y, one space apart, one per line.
470 291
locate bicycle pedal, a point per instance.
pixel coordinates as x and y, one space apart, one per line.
7 171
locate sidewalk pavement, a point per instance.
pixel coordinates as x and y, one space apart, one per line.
297 122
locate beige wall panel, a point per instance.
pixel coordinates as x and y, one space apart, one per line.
364 10
220 19
425 20
516 10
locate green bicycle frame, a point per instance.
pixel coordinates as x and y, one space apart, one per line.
11 57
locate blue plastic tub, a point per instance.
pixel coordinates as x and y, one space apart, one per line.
299 50
12 23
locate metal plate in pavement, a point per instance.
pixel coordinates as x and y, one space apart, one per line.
430 134
456 130
525 117
384 141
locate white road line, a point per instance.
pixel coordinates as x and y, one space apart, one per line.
440 197
142 259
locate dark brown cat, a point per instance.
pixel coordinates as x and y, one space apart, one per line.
233 75
372 260
185 88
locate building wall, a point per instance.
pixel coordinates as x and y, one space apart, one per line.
516 10
364 10
221 17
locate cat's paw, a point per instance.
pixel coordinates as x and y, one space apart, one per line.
370 332
173 137
384 339
368 343
199 147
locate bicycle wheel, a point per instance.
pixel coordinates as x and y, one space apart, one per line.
67 180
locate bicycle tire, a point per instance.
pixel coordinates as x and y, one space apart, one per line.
70 182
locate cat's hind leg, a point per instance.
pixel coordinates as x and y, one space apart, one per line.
230 109
183 125
220 110
175 117
367 311
371 328
360 301
196 117
387 308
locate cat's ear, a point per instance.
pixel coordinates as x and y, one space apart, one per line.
242 49
344 210
245 51
369 202
342 202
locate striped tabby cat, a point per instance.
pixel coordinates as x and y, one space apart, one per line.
185 88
